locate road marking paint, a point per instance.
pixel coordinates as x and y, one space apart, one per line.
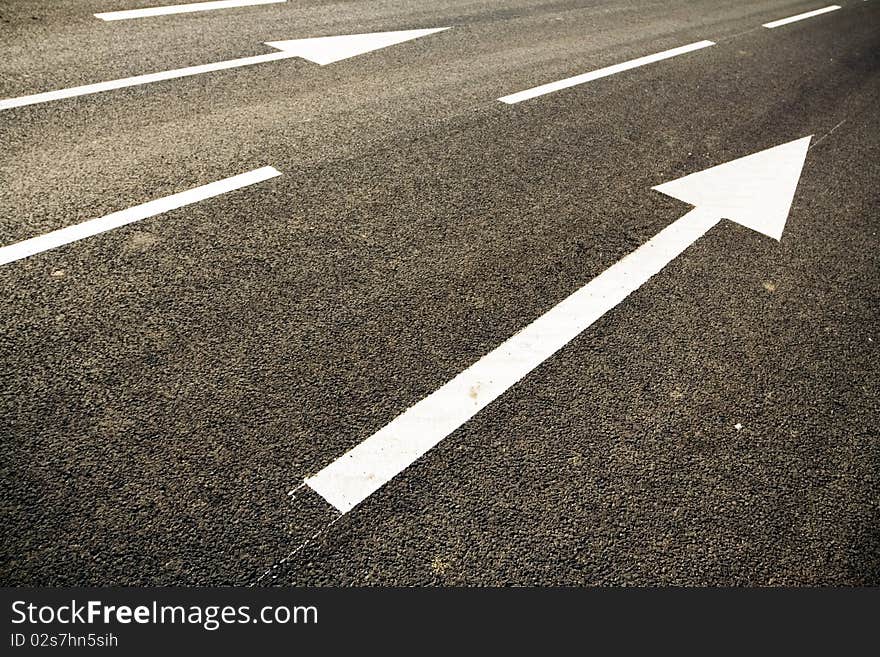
87 89
92 227
800 17
367 467
179 9
755 191
321 50
326 50
602 72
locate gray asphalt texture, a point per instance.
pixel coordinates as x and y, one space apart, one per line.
167 384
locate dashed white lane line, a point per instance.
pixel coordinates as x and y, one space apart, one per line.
800 17
98 87
602 72
92 227
179 9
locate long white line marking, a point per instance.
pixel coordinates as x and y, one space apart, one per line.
800 17
92 227
602 72
98 87
179 9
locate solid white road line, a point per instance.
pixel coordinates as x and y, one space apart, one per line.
179 9
92 227
602 72
800 17
84 90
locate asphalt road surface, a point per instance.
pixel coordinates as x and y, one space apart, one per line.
168 385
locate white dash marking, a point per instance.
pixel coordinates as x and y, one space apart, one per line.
602 72
800 17
179 9
98 87
92 227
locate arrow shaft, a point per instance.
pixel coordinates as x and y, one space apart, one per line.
98 87
367 467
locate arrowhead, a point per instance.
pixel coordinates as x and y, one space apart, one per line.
326 50
755 191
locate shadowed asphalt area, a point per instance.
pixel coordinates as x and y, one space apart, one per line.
167 384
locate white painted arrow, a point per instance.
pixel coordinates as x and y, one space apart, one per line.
755 191
322 50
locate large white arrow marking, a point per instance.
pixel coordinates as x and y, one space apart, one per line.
322 50
755 191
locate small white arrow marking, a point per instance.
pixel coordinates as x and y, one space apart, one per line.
167 10
326 50
755 191
323 50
